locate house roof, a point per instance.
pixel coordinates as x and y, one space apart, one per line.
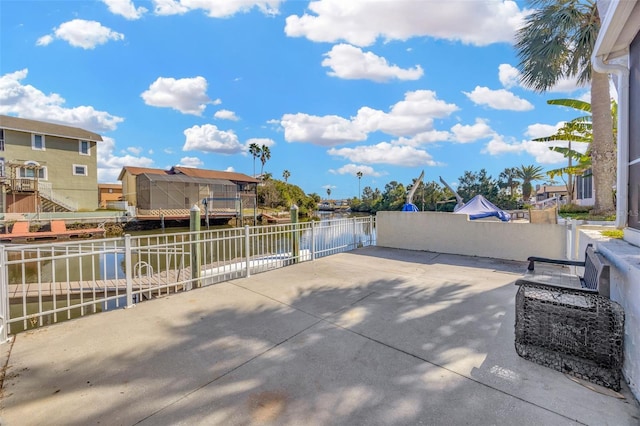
213 174
545 189
47 129
154 177
135 171
110 185
620 24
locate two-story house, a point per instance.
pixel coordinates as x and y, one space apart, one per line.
46 167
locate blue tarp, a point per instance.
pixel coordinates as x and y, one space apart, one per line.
479 207
410 207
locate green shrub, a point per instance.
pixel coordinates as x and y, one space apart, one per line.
573 208
613 233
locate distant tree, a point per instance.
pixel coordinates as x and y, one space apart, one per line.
393 197
507 179
265 155
528 174
480 183
359 174
255 151
557 42
328 193
316 198
286 175
430 194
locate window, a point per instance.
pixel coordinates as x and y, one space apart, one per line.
584 185
84 148
31 169
37 142
2 141
80 170
2 167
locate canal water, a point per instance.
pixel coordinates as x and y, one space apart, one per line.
111 265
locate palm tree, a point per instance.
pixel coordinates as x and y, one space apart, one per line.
359 174
528 174
328 193
557 42
255 151
265 154
507 179
286 175
576 130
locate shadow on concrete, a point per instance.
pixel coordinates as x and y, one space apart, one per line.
375 336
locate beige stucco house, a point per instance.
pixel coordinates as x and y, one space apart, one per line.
47 167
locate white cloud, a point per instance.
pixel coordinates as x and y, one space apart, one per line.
125 8
135 150
352 169
538 130
538 150
81 33
230 169
187 95
352 63
329 130
110 165
413 115
225 114
191 162
509 76
216 8
362 22
45 40
470 133
28 102
385 153
260 141
498 99
208 138
422 138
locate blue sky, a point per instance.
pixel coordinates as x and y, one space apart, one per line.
333 87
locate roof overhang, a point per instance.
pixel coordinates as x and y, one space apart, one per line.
620 24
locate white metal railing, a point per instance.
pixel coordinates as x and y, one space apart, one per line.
41 284
46 190
549 202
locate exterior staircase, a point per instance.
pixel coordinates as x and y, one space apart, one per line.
51 202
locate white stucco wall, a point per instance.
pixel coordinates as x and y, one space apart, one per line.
453 233
625 289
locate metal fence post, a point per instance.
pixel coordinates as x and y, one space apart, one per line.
355 234
295 235
4 296
371 229
128 270
196 260
247 252
313 240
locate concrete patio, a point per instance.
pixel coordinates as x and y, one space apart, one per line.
374 336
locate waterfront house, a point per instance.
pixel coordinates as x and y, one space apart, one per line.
109 193
47 167
156 191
